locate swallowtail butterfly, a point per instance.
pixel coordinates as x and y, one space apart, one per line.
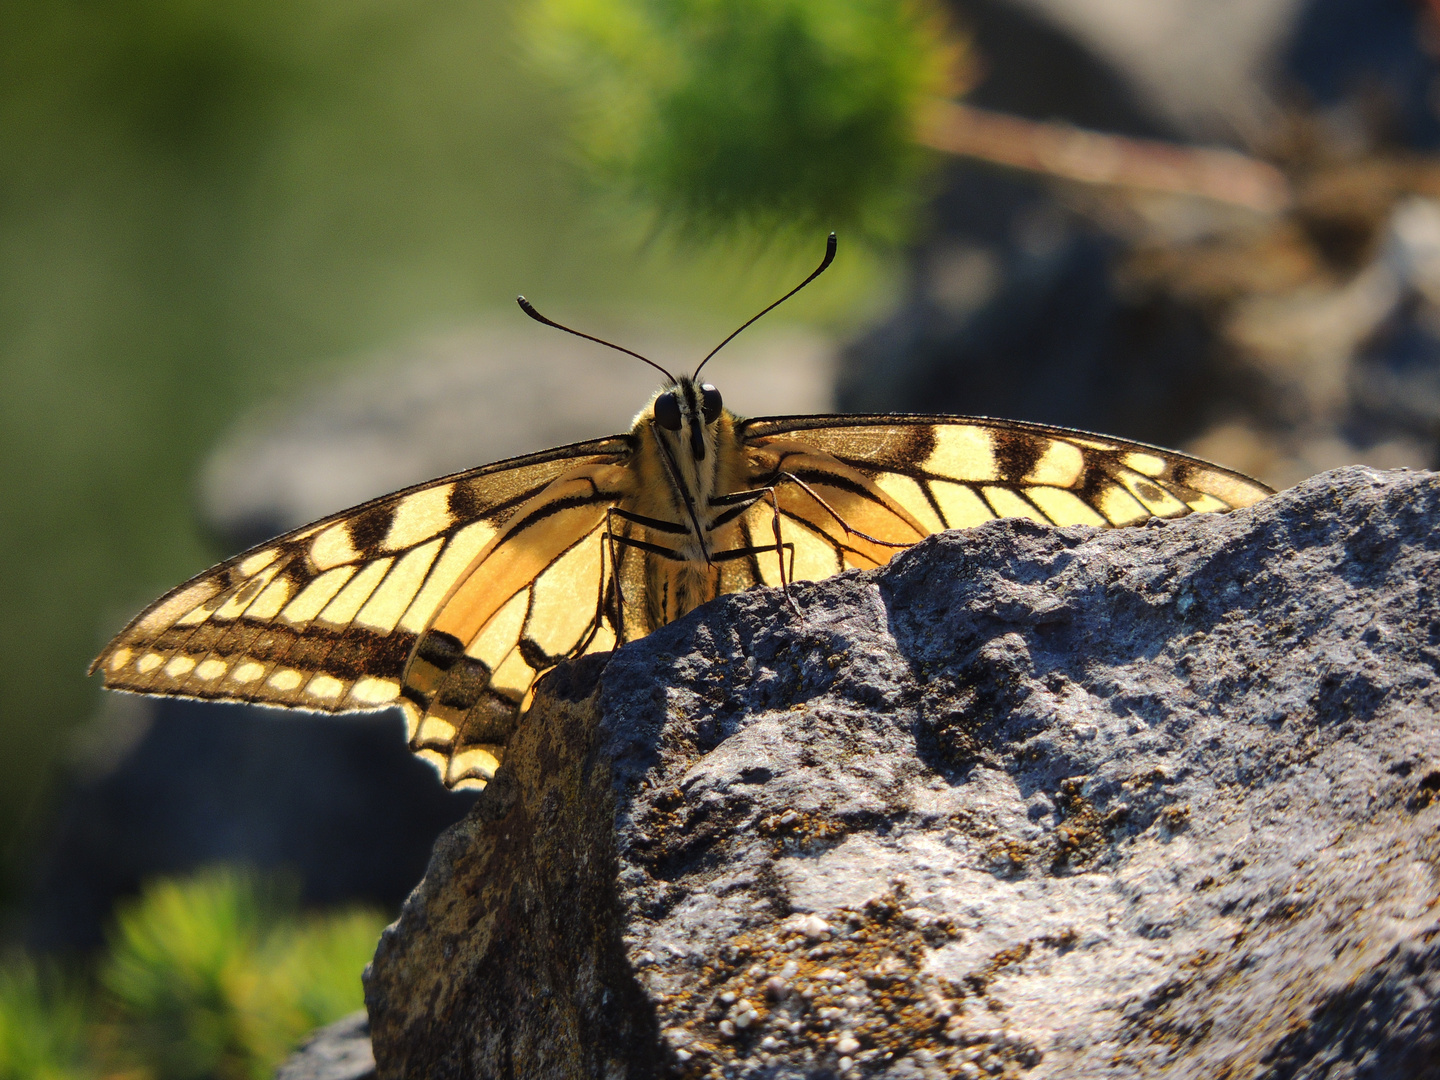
451 598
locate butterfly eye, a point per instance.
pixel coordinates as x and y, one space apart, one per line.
710 403
667 412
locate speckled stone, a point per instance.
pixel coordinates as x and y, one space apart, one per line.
338 1051
1026 803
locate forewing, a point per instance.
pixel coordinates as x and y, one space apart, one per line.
326 617
922 474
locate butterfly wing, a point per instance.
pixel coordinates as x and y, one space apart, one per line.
326 617
534 596
852 490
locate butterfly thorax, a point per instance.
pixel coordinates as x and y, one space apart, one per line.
682 471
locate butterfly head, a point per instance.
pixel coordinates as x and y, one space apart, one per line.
685 414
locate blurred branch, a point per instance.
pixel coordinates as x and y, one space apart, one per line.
1091 157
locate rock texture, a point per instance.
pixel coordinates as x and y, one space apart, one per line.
339 1051
1026 803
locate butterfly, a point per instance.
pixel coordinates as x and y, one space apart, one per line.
451 598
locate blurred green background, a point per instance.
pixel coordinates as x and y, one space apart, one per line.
216 976
205 204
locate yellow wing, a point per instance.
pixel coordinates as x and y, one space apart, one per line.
852 490
537 594
326 617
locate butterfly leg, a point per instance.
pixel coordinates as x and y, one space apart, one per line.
599 620
838 519
612 538
759 549
736 504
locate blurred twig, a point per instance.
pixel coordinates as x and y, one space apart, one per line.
1091 157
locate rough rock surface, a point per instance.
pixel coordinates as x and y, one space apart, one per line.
338 1051
1028 802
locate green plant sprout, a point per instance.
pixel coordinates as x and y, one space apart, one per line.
214 977
792 115
219 976
805 115
43 1021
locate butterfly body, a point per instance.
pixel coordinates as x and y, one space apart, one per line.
680 472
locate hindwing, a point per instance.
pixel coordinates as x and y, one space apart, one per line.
534 596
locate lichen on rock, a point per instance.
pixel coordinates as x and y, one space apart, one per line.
1028 802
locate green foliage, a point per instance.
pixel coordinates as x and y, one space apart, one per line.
42 1025
218 976
766 113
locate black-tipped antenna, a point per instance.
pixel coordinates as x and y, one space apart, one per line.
829 258
529 309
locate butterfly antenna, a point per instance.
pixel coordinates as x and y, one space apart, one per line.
829 258
529 309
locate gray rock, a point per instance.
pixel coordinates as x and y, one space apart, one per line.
339 1051
1206 66
1027 802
